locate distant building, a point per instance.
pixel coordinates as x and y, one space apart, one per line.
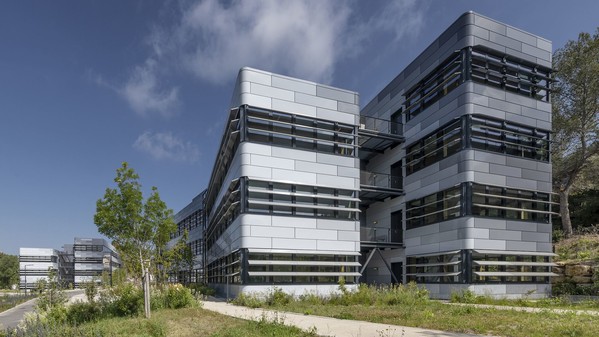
83 261
34 264
192 219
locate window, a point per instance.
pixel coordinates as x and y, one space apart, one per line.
493 267
277 268
437 268
509 203
433 87
504 71
268 197
437 207
509 138
224 215
287 130
442 143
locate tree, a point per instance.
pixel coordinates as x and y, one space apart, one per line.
575 116
9 270
138 229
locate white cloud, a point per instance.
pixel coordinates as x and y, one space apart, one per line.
306 39
165 146
213 39
145 95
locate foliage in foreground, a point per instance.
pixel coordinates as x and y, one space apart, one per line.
410 306
559 302
185 322
409 294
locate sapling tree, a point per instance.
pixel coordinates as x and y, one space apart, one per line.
138 228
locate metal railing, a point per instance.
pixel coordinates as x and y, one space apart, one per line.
381 125
383 180
378 234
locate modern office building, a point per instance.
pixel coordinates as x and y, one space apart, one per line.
476 114
83 261
444 178
92 257
191 219
34 265
282 204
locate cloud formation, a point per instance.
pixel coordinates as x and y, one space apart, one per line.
307 39
165 146
212 40
144 94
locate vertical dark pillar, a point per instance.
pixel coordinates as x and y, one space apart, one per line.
466 199
244 266
242 124
466 132
467 266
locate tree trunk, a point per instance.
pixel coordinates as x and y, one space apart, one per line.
145 281
564 211
147 293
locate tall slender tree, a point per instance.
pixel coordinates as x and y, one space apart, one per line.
575 116
139 229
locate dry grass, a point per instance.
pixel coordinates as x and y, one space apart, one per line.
578 248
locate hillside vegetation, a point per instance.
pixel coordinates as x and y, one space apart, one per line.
578 248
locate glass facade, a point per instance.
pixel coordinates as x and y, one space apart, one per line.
300 132
433 208
471 199
510 203
267 197
485 133
442 143
507 72
485 267
433 87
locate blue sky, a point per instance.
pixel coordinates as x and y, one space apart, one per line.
86 85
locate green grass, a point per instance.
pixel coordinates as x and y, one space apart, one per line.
545 303
190 322
185 322
407 306
10 301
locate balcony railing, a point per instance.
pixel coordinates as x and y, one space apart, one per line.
378 125
379 234
381 180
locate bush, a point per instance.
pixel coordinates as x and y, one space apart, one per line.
277 297
91 291
173 296
81 312
123 300
249 300
463 296
199 289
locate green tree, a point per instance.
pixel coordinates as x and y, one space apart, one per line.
138 229
575 116
9 270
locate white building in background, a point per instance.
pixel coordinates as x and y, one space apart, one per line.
83 261
34 264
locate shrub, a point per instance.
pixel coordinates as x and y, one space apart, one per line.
463 296
199 289
248 300
123 300
277 297
81 312
175 296
91 291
